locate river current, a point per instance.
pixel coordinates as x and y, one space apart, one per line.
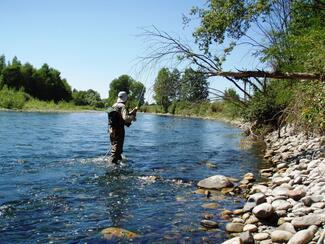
55 185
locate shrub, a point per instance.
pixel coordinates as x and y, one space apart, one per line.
12 99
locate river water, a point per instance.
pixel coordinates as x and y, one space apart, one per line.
55 185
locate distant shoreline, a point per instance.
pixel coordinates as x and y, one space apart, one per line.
51 110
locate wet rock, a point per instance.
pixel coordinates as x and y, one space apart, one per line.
308 220
263 211
287 227
250 228
249 177
211 205
238 211
114 232
234 227
215 182
247 237
303 236
209 223
261 236
235 240
227 190
238 220
208 216
281 236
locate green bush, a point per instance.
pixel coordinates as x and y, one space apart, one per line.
307 108
11 99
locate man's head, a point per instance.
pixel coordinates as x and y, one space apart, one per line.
122 97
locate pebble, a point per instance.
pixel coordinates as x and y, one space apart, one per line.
281 236
250 228
290 206
261 236
234 227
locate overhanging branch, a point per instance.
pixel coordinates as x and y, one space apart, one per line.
265 74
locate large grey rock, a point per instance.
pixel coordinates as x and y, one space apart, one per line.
308 220
281 236
303 236
260 188
263 211
287 227
261 236
280 180
234 227
247 237
215 182
258 198
280 191
281 205
296 194
254 200
250 228
235 240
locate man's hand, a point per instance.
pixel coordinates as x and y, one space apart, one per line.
134 111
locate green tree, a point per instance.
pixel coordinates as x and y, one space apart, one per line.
164 88
134 89
194 86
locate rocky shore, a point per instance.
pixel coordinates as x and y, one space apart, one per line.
288 204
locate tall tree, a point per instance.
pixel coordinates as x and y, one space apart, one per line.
134 89
194 86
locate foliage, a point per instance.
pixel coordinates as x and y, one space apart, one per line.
44 83
171 87
307 108
194 86
89 97
11 99
134 89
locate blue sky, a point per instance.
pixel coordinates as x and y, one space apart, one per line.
93 42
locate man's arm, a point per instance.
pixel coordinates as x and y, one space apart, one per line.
129 117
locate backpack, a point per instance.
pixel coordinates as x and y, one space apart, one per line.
114 117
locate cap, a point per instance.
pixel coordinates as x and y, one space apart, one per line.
122 97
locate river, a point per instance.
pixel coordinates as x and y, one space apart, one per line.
55 185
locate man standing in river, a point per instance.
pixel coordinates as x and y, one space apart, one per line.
118 118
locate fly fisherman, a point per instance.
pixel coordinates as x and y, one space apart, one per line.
118 116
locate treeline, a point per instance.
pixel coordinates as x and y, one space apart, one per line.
187 93
172 87
24 86
44 83
290 39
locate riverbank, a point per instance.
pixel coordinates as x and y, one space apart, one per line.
289 204
51 110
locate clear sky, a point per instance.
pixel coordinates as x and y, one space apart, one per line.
92 42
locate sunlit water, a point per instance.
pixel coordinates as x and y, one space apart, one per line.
55 185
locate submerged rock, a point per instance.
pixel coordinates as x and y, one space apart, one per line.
114 232
215 182
209 223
